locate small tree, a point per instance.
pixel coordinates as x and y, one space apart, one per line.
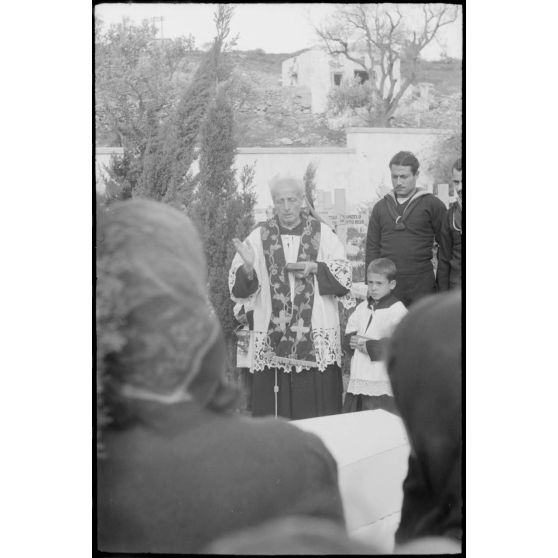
245 201
440 157
356 98
387 37
219 210
309 180
138 81
122 176
135 79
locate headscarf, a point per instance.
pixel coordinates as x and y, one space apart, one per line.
424 366
152 295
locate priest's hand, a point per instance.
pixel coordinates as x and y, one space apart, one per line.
246 252
310 267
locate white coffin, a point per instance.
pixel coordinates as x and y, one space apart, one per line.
371 449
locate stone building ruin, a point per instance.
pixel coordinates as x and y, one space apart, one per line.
319 71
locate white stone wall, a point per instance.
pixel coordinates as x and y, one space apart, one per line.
102 160
335 167
375 147
361 168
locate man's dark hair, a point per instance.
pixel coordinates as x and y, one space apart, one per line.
405 159
382 266
457 165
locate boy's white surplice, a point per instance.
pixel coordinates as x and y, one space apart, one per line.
370 377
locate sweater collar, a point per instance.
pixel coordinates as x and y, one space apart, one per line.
419 192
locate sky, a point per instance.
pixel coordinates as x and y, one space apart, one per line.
275 28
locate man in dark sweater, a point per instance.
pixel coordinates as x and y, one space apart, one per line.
403 227
449 253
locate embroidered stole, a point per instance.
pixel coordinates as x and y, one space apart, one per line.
290 326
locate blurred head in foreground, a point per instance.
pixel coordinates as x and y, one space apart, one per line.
424 366
158 336
293 536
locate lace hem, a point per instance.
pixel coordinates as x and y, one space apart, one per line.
369 387
327 345
348 300
342 271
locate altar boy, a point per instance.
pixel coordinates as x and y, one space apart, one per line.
368 330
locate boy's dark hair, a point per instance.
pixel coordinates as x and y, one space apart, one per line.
383 266
457 165
405 159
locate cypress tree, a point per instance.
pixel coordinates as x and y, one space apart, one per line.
172 149
218 207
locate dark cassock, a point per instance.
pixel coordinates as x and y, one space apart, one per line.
295 347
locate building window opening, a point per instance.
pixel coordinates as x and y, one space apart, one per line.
337 77
361 76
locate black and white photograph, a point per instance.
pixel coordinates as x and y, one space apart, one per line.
241 292
279 287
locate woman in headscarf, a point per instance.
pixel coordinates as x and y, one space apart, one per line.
424 366
178 469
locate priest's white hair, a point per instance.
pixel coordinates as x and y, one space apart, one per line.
277 181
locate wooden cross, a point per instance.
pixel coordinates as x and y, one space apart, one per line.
300 329
282 320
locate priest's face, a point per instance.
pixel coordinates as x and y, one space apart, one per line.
287 201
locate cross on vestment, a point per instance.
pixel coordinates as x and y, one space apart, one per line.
300 329
282 320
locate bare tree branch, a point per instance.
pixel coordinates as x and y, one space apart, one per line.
222 19
340 47
380 30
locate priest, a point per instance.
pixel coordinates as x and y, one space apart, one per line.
291 271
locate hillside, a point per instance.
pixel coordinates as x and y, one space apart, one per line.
445 75
274 115
271 115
